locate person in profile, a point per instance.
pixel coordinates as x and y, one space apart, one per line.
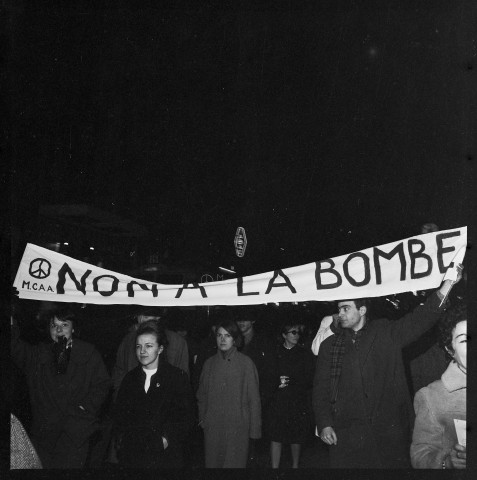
360 396
441 406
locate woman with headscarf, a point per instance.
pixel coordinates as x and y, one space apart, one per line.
229 401
441 406
153 412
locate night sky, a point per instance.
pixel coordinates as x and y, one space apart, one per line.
321 128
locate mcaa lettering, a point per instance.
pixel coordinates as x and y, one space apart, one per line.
416 250
38 287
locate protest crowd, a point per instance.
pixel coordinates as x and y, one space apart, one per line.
356 383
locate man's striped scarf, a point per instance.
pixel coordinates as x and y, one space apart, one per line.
337 352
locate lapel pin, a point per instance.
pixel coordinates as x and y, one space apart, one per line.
158 384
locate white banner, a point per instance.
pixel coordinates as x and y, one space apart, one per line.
417 263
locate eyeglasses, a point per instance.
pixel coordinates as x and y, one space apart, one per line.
294 332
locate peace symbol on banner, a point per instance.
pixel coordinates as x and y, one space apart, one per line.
39 268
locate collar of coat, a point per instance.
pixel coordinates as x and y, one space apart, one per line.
228 354
454 378
161 368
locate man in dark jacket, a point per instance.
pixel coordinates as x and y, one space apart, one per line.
261 350
68 382
360 396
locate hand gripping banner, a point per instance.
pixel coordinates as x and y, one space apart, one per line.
416 263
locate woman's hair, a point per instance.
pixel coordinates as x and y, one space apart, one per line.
285 326
229 325
153 327
289 318
447 325
64 314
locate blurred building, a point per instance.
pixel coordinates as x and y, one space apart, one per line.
92 235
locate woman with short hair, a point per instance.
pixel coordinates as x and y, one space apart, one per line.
289 414
68 382
229 401
441 406
153 412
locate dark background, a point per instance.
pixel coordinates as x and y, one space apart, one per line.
322 128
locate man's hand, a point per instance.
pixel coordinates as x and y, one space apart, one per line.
328 435
448 284
458 456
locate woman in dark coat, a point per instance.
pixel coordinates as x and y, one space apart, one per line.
290 408
229 401
153 412
68 382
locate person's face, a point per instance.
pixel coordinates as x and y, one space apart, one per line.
459 344
148 351
59 328
350 316
245 326
225 341
292 335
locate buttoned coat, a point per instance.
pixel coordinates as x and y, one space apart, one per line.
378 432
142 418
229 409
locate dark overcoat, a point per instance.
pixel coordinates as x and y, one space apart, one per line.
56 398
373 413
263 353
289 412
141 419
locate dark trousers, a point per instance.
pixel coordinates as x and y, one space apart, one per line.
359 446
